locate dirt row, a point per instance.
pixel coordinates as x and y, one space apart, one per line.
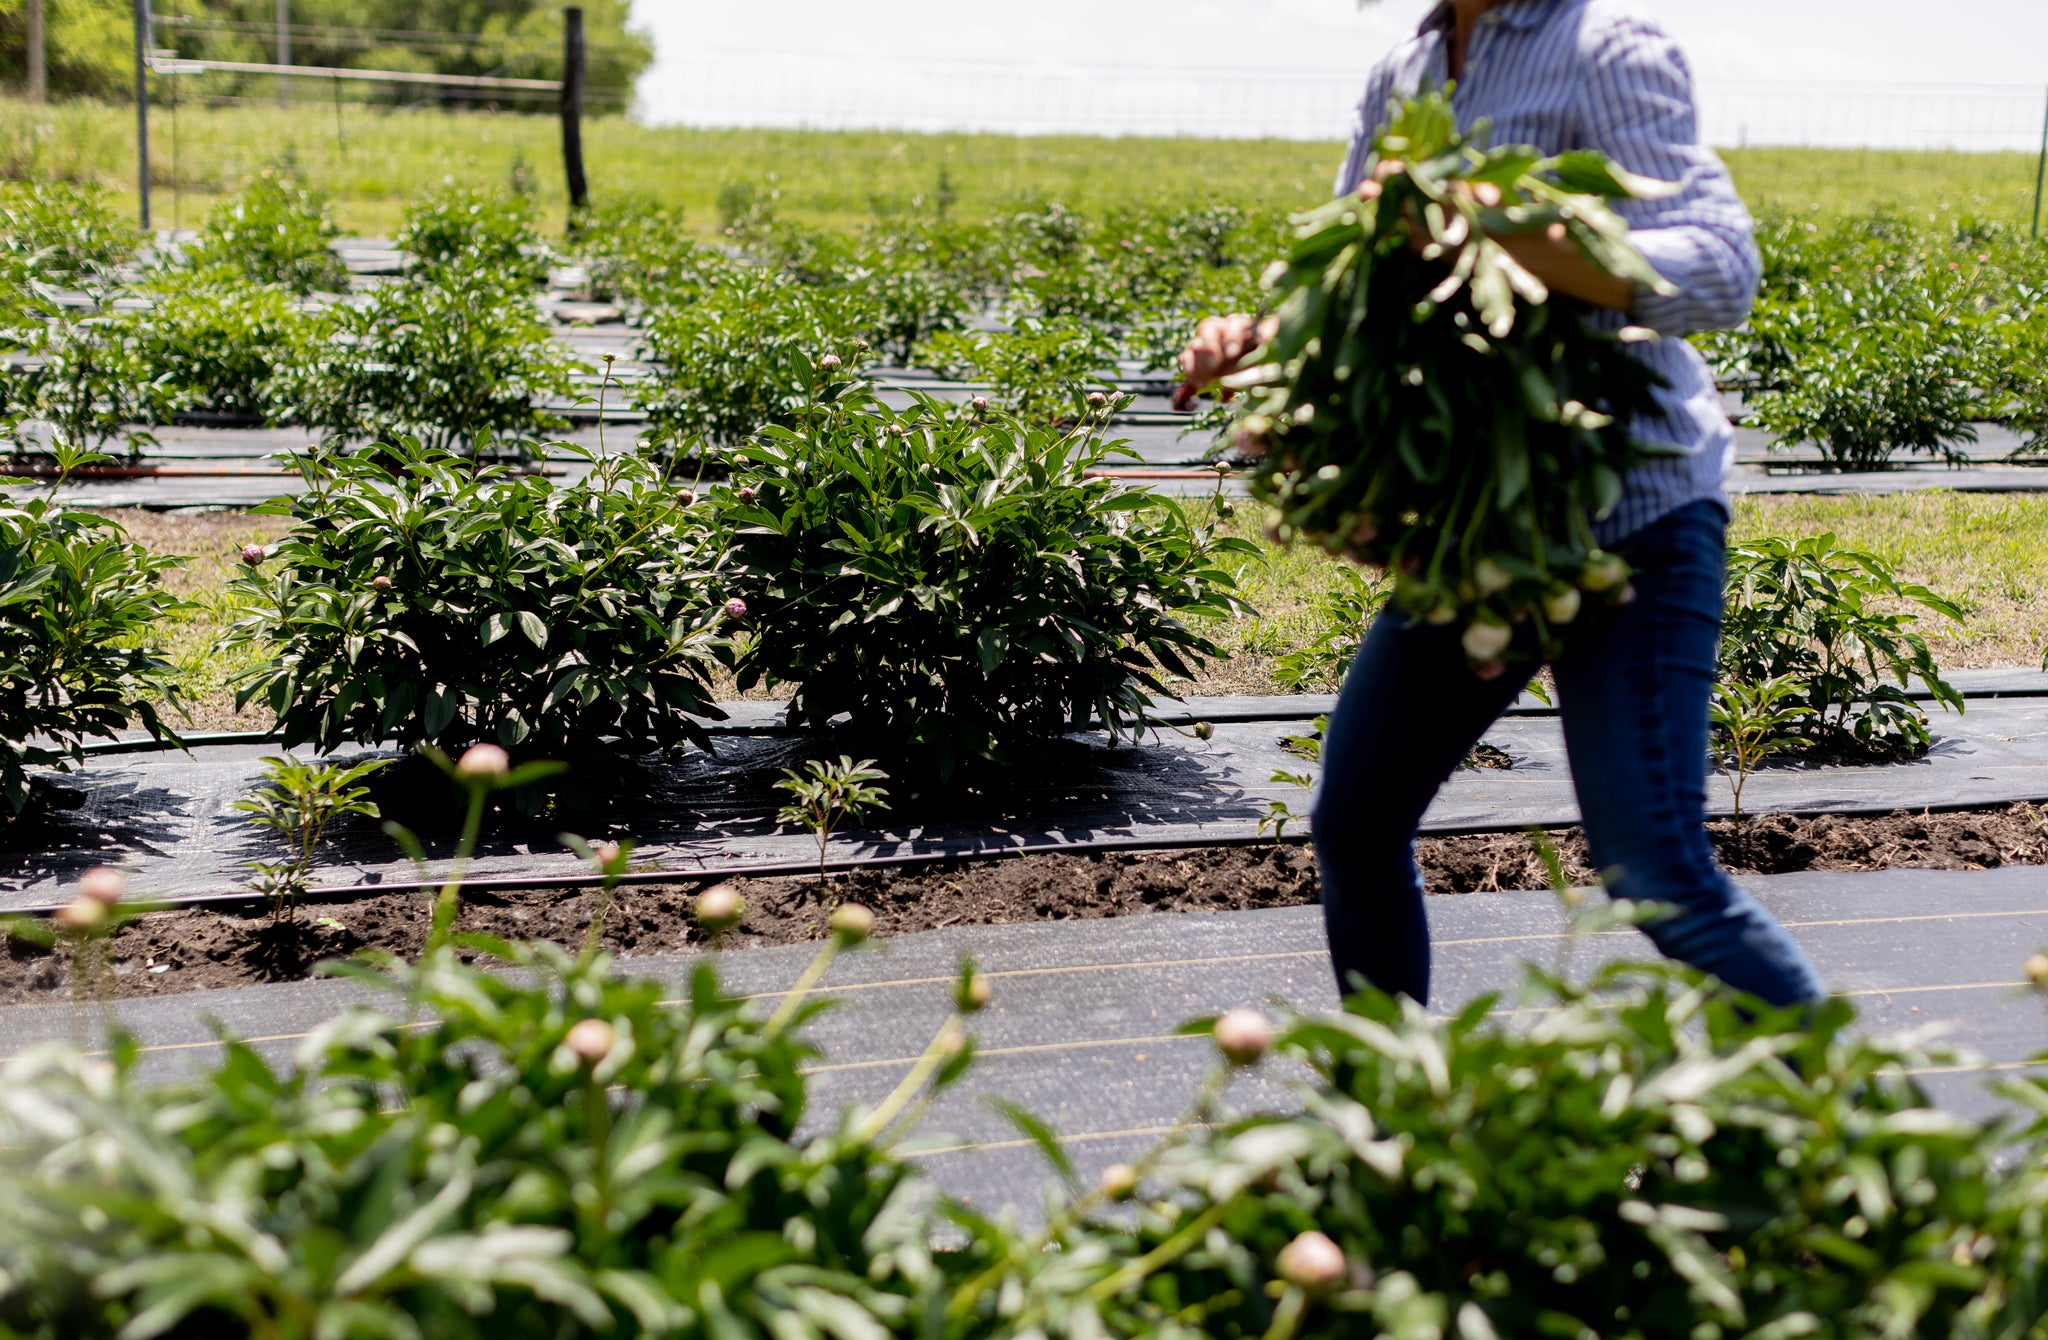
190 950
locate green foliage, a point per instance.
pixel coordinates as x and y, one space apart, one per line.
956 586
456 228
519 38
273 231
1638 1159
421 599
573 1154
1043 371
215 343
1752 722
1431 410
62 229
745 351
1873 337
1342 617
297 801
455 357
1828 620
78 605
86 384
827 794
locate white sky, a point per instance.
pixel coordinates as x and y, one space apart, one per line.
837 61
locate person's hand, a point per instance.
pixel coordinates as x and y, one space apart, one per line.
1219 348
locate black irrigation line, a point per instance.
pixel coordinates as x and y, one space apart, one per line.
1226 716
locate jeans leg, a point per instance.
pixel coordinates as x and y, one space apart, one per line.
1634 683
1409 712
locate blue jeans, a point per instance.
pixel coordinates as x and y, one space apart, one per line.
1633 683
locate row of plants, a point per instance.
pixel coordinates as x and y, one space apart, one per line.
1872 336
250 323
565 1150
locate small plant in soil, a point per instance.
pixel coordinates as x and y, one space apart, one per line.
1751 723
297 802
826 794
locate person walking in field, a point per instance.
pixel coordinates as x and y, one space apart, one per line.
1633 680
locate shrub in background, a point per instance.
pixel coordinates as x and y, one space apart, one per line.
744 351
1043 371
458 227
78 605
1832 622
273 231
64 230
956 586
420 599
216 344
455 358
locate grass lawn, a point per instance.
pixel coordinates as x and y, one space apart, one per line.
1987 550
379 158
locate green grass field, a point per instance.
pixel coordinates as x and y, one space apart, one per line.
371 160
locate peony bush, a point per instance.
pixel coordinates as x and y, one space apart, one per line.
422 599
955 586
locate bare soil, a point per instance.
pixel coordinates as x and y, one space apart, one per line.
174 951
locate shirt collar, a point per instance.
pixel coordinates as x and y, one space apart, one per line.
1515 14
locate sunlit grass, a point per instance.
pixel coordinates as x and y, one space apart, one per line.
372 160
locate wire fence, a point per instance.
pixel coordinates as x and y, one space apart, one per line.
1975 147
743 87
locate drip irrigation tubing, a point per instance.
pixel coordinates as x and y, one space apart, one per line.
1303 707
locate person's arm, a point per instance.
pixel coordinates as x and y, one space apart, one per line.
1635 105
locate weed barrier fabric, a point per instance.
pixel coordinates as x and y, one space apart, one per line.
1080 1026
698 815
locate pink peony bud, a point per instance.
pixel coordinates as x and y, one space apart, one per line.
735 608
254 554
604 852
830 362
978 404
746 494
103 884
380 582
1243 1036
1097 399
1311 1262
591 1040
484 763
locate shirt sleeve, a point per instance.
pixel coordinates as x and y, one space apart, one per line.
1366 124
1636 106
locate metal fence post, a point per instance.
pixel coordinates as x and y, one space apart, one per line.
284 51
142 104
2041 167
572 111
38 59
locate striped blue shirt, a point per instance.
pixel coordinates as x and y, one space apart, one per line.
1595 74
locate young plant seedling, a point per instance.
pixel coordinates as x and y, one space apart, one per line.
1751 723
825 795
297 801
